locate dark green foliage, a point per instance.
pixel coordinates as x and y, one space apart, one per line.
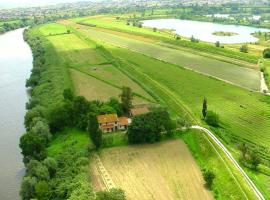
33 147
254 160
204 108
244 48
126 99
60 116
113 194
41 128
36 112
51 165
209 177
42 190
38 170
217 44
147 128
27 191
80 109
212 119
116 105
93 129
68 95
266 53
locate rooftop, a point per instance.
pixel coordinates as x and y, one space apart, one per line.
108 118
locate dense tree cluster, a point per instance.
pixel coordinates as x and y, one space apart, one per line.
147 128
266 53
249 158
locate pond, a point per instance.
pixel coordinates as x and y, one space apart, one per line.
15 67
204 30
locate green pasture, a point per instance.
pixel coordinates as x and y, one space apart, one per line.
76 139
94 89
75 52
244 77
53 29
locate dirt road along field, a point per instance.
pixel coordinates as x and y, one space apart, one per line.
160 171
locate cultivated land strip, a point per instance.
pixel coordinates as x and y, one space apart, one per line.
244 77
229 155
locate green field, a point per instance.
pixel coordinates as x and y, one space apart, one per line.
244 77
53 29
76 139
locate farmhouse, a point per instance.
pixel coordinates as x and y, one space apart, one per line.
111 122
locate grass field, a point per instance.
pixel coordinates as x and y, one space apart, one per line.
69 137
83 55
94 89
159 171
53 29
232 73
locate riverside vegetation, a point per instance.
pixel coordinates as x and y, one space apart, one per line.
69 56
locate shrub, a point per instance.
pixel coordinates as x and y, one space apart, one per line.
112 194
244 48
266 53
212 119
209 177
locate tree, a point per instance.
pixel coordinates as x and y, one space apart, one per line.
212 119
126 99
38 111
94 131
147 128
32 146
116 105
51 165
244 150
209 177
254 160
112 194
204 109
38 170
27 191
155 29
244 48
42 129
42 190
266 53
217 44
68 95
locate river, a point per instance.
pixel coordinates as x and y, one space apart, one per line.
15 67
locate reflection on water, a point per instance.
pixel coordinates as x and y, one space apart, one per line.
15 66
204 30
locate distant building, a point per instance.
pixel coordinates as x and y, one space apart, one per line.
110 123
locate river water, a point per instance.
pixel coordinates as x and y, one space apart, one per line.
204 30
15 66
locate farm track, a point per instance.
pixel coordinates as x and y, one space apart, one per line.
234 162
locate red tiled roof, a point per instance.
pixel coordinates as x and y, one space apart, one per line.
107 118
123 121
107 126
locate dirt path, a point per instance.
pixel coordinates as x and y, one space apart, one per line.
229 155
